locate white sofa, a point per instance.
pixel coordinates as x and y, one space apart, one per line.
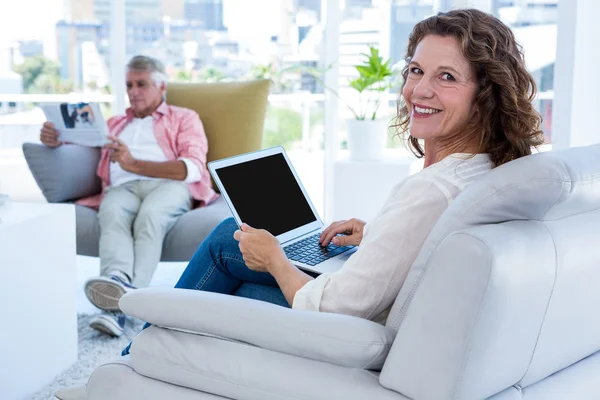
505 308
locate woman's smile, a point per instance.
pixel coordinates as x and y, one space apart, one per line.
422 111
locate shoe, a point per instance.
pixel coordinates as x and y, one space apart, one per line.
110 323
72 393
105 291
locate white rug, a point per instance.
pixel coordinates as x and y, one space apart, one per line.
94 349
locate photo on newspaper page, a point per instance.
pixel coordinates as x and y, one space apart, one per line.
79 123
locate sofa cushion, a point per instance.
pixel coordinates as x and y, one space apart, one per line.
190 230
64 173
332 338
88 231
117 380
241 371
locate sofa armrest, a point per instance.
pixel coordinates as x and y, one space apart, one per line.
474 323
65 173
333 338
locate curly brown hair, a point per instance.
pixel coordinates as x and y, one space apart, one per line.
506 124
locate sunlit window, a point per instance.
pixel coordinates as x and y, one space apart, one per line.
65 47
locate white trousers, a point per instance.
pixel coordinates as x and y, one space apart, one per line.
134 220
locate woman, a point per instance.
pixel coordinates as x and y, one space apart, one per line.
467 97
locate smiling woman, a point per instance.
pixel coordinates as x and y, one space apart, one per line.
466 90
467 96
440 98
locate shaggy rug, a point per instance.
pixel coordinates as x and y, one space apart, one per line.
94 349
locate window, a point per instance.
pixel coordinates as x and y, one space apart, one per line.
367 23
534 23
65 48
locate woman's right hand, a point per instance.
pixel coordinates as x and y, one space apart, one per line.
352 229
49 135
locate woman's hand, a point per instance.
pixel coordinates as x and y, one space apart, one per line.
260 249
263 253
352 228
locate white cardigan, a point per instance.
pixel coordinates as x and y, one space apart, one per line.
368 283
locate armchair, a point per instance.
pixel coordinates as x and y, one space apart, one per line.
504 308
233 117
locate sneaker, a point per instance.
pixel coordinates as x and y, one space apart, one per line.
105 291
110 323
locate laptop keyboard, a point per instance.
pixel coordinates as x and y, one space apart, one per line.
310 252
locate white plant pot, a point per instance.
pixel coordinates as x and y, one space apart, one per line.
367 139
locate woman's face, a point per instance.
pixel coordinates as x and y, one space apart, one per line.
440 89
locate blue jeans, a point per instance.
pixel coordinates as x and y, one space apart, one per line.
218 266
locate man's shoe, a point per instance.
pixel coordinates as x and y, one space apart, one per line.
72 393
110 323
105 291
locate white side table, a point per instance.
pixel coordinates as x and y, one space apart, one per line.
38 339
361 188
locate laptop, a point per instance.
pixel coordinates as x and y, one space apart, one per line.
263 190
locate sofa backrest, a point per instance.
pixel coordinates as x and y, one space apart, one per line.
506 288
233 113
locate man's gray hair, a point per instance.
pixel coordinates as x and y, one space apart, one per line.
149 64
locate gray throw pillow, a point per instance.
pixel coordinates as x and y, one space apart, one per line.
65 173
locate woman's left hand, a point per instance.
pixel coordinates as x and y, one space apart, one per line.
260 249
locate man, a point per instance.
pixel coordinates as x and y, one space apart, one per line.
152 170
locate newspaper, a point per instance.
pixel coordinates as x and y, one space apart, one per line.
79 123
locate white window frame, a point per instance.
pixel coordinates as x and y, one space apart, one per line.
117 55
333 16
576 89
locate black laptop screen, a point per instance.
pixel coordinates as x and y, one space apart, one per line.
266 195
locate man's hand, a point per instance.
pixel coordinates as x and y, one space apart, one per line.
352 228
119 152
49 135
260 249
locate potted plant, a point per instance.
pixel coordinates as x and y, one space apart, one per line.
367 134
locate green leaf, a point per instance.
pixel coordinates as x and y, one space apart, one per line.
363 71
374 75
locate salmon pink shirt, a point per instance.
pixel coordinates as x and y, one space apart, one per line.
180 134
